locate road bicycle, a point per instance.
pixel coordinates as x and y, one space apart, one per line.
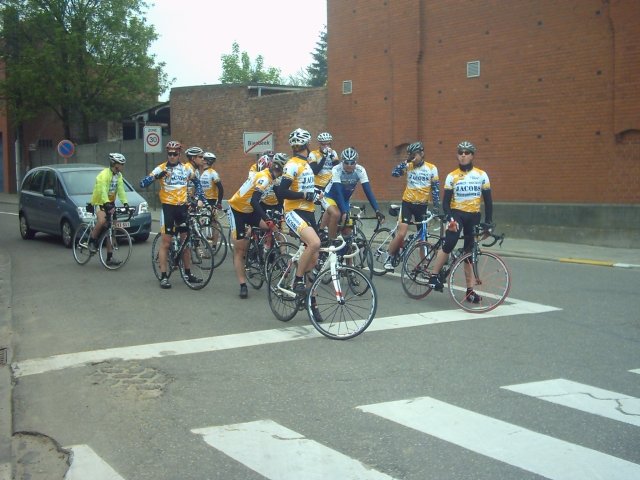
264 246
114 238
187 238
486 271
345 299
382 237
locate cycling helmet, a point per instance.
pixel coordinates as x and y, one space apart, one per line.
209 157
299 137
349 156
325 137
415 147
464 145
279 159
263 162
117 158
194 152
173 145
268 153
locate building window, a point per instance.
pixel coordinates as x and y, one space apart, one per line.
347 87
473 69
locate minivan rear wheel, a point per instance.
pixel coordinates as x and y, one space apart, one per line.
26 232
67 233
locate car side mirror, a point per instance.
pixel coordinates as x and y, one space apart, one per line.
48 192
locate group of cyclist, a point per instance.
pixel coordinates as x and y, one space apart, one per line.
293 185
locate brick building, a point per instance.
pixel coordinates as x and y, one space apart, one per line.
548 91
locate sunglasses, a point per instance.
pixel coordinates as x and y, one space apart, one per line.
464 152
173 154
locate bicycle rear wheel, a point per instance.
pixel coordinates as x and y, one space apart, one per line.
491 282
364 259
253 265
283 304
201 255
346 307
155 258
416 270
378 245
120 241
80 243
279 247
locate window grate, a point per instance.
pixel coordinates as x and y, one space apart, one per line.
347 87
473 69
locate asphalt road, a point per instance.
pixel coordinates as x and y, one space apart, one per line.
422 402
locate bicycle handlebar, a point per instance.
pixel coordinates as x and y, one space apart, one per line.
124 211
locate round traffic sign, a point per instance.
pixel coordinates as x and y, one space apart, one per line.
66 148
153 139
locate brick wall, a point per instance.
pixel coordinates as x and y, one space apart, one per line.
555 112
215 117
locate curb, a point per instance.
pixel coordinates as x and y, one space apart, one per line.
6 382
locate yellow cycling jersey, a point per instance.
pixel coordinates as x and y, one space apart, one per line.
253 170
173 186
107 186
467 189
302 180
241 200
419 181
324 175
209 179
269 196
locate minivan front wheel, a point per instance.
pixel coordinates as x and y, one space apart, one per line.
67 233
25 232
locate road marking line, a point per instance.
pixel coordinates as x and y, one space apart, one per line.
637 370
85 464
276 452
543 455
586 261
605 403
260 337
5 471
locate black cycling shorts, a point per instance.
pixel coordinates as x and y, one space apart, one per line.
415 210
466 222
240 222
173 215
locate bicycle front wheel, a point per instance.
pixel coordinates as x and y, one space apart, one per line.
282 301
416 270
117 240
201 264
489 278
80 243
378 245
346 304
364 259
155 256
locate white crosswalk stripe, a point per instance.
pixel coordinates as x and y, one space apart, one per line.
278 453
613 405
517 446
87 464
637 370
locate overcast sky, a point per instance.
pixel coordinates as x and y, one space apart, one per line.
194 34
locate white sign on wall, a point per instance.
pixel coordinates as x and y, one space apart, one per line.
257 142
152 139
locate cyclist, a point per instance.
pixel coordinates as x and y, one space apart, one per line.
195 158
463 190
297 190
322 160
270 199
109 184
210 181
212 188
174 178
344 178
422 183
245 211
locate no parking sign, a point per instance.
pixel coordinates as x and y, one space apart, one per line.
152 139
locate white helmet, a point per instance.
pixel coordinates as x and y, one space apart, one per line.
325 137
209 157
117 158
299 137
349 156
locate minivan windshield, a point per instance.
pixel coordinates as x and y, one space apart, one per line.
81 182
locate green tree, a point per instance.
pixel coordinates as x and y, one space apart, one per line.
318 70
237 69
85 60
